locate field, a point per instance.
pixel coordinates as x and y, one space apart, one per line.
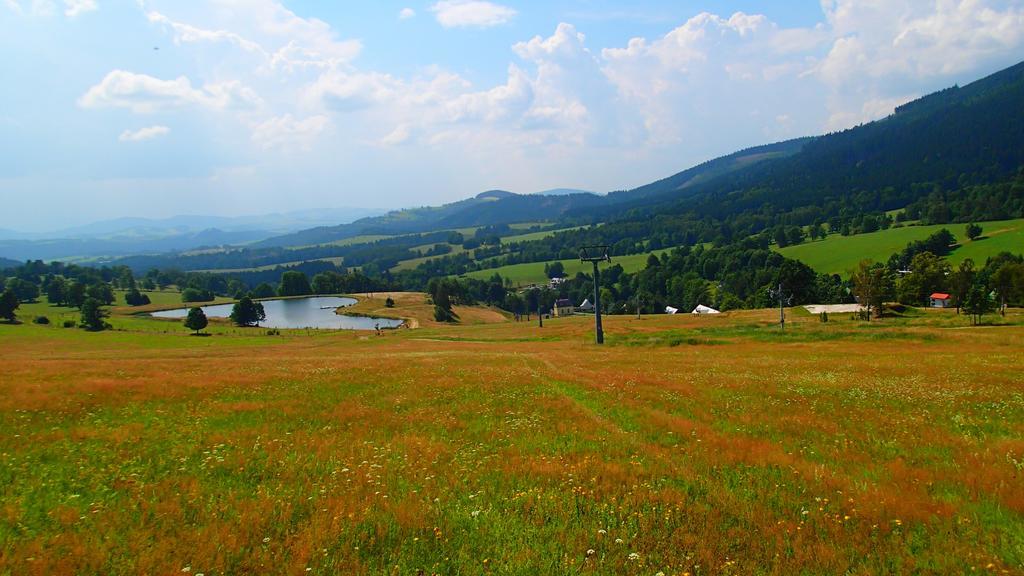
838 254
685 445
458 249
533 272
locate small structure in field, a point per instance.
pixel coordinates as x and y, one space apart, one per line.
701 310
562 307
671 310
940 300
586 306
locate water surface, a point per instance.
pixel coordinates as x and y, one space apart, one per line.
312 312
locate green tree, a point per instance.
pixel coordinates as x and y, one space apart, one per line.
25 290
9 303
294 283
1008 282
443 304
56 290
264 290
389 302
973 231
135 298
102 292
329 282
93 315
196 319
928 274
247 312
960 282
872 285
196 295
978 303
76 294
555 270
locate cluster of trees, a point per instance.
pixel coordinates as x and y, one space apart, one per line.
975 291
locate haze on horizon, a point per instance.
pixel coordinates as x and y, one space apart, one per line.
235 107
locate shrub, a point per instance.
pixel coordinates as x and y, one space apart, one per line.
41 320
69 324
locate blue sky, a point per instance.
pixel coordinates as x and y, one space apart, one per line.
160 107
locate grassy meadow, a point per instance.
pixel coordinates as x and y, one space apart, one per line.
533 272
838 254
684 446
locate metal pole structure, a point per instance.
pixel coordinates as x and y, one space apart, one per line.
597 305
596 254
637 304
782 310
540 315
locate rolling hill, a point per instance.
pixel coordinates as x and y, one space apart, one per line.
838 254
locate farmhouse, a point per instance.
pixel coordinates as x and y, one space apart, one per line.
562 307
940 300
586 306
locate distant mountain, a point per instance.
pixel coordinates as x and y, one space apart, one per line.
276 223
501 207
405 221
123 236
8 263
73 249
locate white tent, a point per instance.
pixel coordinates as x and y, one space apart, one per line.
702 309
671 310
587 306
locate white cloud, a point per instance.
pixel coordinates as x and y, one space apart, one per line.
265 27
72 8
287 132
143 94
142 134
75 7
471 13
184 33
400 135
406 13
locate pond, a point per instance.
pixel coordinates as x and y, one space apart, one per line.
312 312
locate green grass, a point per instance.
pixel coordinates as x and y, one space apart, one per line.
838 254
533 272
337 260
350 241
531 236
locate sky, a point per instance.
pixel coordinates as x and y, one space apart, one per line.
153 108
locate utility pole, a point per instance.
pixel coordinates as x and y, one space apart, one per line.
594 255
782 311
540 315
778 293
637 304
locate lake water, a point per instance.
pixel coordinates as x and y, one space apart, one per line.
313 312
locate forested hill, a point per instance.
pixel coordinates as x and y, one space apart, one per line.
498 207
939 147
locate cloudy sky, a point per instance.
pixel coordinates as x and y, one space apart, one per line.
159 107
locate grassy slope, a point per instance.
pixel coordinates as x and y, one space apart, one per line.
414 262
511 449
533 272
840 254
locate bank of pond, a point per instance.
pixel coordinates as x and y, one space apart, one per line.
313 312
